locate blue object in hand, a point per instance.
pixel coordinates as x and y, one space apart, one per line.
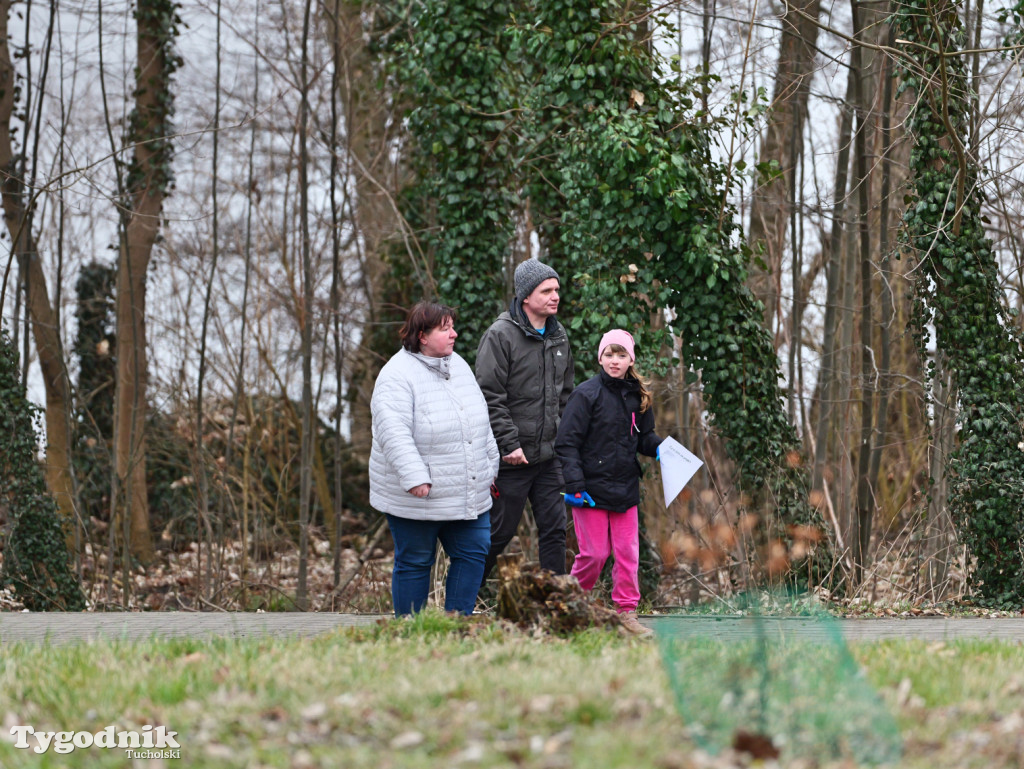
657 453
580 500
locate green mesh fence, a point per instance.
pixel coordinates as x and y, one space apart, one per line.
790 679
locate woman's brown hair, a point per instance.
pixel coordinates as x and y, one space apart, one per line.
423 317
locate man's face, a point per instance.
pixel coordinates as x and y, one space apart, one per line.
543 302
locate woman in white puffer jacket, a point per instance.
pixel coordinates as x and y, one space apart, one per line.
432 462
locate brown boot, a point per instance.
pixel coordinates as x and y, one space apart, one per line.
632 625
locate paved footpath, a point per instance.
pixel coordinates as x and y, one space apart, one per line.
60 628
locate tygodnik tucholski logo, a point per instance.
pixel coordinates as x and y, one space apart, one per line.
149 742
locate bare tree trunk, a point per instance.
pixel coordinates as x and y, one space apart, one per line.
901 453
843 433
827 387
939 534
374 160
975 73
796 314
45 329
339 381
132 376
243 519
306 318
857 494
783 142
708 15
869 30
885 383
200 455
147 186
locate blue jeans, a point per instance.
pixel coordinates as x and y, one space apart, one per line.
466 544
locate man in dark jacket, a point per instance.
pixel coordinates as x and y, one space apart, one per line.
525 370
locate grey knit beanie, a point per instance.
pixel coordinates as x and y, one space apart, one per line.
531 274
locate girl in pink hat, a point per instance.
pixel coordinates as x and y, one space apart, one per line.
607 420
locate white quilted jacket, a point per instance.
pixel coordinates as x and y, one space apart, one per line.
430 425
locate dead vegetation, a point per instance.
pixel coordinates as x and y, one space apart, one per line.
534 597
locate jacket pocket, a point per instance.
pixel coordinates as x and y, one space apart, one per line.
595 467
527 428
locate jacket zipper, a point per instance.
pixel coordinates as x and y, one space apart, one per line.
544 385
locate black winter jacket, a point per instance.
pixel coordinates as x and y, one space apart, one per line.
601 432
526 379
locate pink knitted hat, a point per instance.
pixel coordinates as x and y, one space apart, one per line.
622 338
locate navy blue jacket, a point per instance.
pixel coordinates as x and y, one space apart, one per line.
599 436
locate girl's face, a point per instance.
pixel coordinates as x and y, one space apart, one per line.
615 364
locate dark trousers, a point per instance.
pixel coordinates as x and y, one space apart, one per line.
542 484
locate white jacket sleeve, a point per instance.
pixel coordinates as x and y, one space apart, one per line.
392 407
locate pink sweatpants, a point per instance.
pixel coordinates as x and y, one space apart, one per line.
601 533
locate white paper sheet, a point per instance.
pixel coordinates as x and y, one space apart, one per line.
678 466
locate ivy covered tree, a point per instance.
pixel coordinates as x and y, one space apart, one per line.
455 60
646 220
555 108
36 561
148 181
16 195
95 343
958 294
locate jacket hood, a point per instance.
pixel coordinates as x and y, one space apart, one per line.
440 366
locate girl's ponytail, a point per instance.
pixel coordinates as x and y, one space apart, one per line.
646 398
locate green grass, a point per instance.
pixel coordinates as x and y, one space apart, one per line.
440 692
